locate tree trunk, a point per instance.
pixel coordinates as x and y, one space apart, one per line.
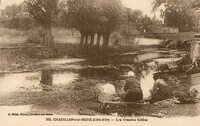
43 35
82 38
106 37
98 39
86 40
92 39
43 39
47 36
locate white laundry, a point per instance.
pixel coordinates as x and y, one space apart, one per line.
107 88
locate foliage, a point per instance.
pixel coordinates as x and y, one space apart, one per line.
85 84
117 38
90 17
58 33
44 12
82 14
14 32
180 36
94 16
132 21
112 12
177 13
12 10
146 21
15 17
196 5
18 23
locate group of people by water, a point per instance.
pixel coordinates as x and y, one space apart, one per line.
133 92
162 89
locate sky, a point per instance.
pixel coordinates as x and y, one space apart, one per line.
5 3
144 5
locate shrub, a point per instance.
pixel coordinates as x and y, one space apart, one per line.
18 23
34 36
116 38
85 84
12 32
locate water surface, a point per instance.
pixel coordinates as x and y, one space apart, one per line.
34 81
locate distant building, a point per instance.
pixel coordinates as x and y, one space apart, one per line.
161 30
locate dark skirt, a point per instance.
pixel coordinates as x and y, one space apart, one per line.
132 95
162 94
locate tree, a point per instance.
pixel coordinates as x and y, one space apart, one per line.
15 17
12 10
131 22
196 5
156 21
177 13
44 13
83 15
112 11
133 16
94 16
145 22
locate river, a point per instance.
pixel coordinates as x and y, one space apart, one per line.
40 81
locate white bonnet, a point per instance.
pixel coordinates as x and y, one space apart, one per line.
131 74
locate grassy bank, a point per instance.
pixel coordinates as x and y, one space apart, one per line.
75 91
24 59
180 36
55 31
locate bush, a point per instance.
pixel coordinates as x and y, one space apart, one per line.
12 32
34 36
3 22
116 38
85 84
18 23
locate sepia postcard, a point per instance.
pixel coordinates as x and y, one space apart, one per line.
99 62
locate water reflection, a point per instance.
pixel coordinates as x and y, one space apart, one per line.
149 56
64 77
118 59
35 81
148 41
61 61
147 83
100 71
195 78
143 72
46 79
19 82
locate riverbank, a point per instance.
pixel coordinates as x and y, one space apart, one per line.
25 57
66 74
68 99
178 36
71 88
